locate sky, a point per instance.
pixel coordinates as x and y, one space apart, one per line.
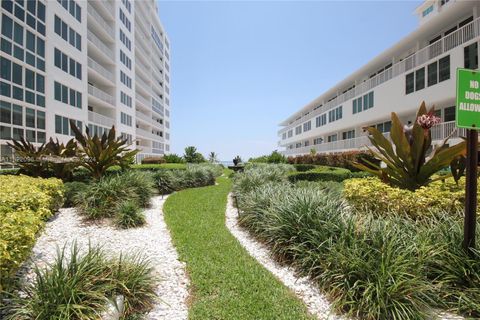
239 68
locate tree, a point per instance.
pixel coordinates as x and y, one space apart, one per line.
212 157
192 156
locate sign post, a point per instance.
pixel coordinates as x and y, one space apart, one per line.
468 116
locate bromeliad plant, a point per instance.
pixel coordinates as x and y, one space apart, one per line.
407 164
98 154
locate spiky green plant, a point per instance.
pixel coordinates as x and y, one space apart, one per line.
62 158
29 158
407 164
98 154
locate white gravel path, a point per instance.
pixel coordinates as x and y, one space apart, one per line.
316 302
152 240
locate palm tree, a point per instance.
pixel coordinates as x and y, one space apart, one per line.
212 157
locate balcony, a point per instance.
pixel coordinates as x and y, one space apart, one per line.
100 69
100 94
143 116
100 119
148 135
445 44
100 21
439 133
99 44
143 100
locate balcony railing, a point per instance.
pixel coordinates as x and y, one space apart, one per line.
100 94
445 44
100 119
100 69
439 133
100 45
143 84
143 100
108 6
143 116
100 20
149 135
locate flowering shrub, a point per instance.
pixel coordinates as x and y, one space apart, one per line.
372 195
25 203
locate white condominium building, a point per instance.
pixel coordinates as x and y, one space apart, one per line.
99 63
421 67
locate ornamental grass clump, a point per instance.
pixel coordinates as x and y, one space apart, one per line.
129 215
409 164
81 285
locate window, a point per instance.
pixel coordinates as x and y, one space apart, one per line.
67 64
317 141
420 79
40 120
5 69
307 126
126 80
335 114
126 119
73 8
449 114
30 117
125 40
321 120
298 130
67 33
348 134
427 11
17 115
5 112
332 138
124 20
409 83
444 69
471 56
67 95
432 73
290 133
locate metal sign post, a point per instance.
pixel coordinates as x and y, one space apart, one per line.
468 116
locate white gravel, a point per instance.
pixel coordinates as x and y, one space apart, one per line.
316 302
152 240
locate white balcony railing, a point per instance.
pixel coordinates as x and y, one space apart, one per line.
100 20
100 44
143 116
100 94
445 44
108 6
100 69
147 134
142 84
439 133
100 119
143 100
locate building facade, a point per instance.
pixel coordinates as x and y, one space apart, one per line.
421 67
101 63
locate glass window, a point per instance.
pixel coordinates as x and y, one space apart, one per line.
17 115
30 41
40 83
5 112
58 124
58 58
71 37
72 67
58 26
409 83
5 68
72 8
78 42
41 11
64 62
40 47
41 137
18 34
64 94
32 7
444 69
30 58
420 79
449 114
40 27
31 20
7 5
17 74
79 100
471 56
5 89
18 52
354 106
29 97
432 74
7 26
30 118
17 132
17 93
78 13
6 46
40 64
79 71
40 120
19 13
370 100
40 101
30 135
65 126
5 133
58 91
29 79
64 31
365 102
72 97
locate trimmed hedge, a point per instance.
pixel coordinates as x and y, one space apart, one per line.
304 167
373 195
325 173
153 160
342 160
25 204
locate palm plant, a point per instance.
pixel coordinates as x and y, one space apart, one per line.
62 157
405 157
212 157
99 154
30 159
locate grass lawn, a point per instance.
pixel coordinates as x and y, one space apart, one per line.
226 283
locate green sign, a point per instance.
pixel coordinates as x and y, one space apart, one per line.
468 99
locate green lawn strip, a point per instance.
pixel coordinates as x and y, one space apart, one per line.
226 282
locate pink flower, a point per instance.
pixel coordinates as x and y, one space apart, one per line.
428 120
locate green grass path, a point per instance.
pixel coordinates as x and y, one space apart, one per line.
226 283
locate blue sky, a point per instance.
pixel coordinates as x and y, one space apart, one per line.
240 68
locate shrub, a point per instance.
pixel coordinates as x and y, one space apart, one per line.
129 215
198 175
173 158
192 156
304 167
257 174
321 174
274 157
341 160
153 160
25 204
100 199
372 195
72 191
80 287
